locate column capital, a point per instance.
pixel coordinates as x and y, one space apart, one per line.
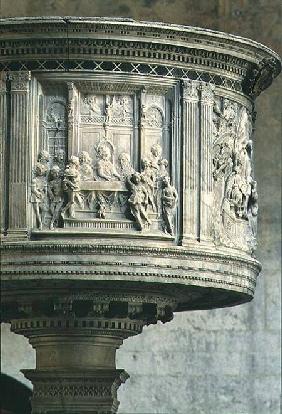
207 92
3 78
190 90
19 81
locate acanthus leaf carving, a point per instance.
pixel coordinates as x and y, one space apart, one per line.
19 81
3 79
190 90
207 92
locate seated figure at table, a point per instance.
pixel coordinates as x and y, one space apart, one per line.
85 168
105 167
126 169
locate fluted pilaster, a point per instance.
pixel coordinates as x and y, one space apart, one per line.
73 115
206 185
19 153
190 161
3 148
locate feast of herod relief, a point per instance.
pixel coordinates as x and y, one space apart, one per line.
101 184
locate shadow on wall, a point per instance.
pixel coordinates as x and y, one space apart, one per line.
15 397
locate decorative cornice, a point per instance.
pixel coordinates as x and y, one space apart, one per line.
133 47
114 249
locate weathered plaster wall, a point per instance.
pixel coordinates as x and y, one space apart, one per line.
225 361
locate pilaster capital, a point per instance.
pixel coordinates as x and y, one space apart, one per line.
207 93
190 90
3 78
19 81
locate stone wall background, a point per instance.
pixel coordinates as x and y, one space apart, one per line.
224 361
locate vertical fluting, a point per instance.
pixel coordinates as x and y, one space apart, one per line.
19 152
73 130
190 160
3 150
142 125
206 199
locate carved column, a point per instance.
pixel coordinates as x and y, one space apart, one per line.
77 368
190 161
3 148
206 184
19 154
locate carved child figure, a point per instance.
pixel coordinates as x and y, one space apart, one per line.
55 193
38 193
169 199
71 185
105 168
138 200
85 169
101 210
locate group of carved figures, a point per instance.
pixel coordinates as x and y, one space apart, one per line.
232 162
152 188
56 188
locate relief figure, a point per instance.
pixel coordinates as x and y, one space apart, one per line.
43 157
126 169
163 166
138 200
169 199
85 168
71 186
38 193
105 168
59 159
55 194
148 179
101 210
155 158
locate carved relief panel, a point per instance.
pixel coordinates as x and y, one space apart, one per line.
235 195
53 119
96 170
